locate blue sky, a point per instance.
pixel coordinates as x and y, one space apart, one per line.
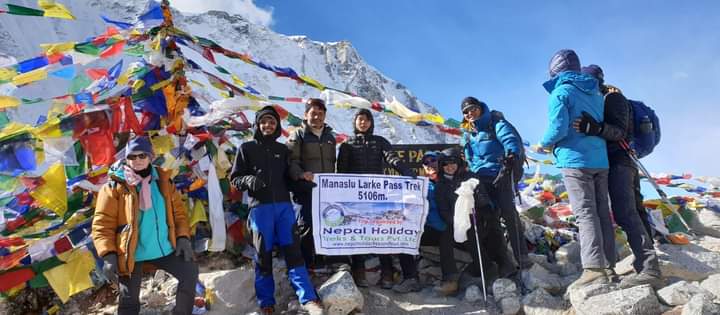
662 52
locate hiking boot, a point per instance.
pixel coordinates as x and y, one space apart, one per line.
359 278
591 276
267 310
408 285
314 308
447 288
386 281
640 279
611 275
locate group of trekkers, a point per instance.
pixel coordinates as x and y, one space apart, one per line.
140 217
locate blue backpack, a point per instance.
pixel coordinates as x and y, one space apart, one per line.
646 129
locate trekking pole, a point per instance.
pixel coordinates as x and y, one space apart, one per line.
477 243
655 185
517 223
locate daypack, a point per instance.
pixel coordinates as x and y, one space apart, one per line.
518 167
646 129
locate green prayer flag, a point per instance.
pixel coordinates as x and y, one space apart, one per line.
88 48
79 83
19 10
221 69
452 123
4 120
135 50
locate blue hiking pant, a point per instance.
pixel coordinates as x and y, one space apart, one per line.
274 224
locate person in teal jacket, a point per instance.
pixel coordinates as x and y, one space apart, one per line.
583 161
488 139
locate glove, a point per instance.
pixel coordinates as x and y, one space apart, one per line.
255 183
588 125
110 267
183 248
509 159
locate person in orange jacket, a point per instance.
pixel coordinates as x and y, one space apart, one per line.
140 218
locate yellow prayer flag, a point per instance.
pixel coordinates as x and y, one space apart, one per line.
6 74
137 85
162 144
52 48
198 213
50 129
238 81
73 276
434 118
312 82
55 10
160 84
28 77
53 193
8 101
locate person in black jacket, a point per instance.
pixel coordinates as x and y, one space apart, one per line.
261 168
495 253
623 179
365 153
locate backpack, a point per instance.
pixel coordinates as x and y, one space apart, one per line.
646 129
518 167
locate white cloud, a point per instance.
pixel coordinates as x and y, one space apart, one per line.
244 8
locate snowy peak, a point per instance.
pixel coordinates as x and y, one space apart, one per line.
334 64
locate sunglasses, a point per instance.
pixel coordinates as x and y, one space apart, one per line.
467 111
429 161
141 156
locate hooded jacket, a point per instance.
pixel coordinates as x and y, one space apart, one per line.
116 223
263 159
365 152
571 93
484 148
310 153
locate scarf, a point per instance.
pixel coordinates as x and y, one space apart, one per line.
133 179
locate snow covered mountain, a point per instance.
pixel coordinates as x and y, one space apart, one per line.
335 64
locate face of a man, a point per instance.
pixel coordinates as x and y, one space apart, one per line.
362 123
138 160
473 113
315 117
268 124
430 165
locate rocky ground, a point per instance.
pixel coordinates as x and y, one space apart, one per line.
691 273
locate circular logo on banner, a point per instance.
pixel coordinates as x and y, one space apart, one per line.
333 215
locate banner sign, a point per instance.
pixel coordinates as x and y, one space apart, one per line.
411 155
368 214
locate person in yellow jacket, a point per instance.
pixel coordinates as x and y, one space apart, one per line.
140 218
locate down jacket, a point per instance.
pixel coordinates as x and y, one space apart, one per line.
117 215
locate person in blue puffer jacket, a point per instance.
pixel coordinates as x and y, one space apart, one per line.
488 139
583 161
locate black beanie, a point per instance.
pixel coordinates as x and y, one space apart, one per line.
469 102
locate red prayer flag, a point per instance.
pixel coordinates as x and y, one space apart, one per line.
96 73
113 50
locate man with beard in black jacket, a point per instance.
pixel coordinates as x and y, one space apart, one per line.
623 180
364 154
261 168
452 172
